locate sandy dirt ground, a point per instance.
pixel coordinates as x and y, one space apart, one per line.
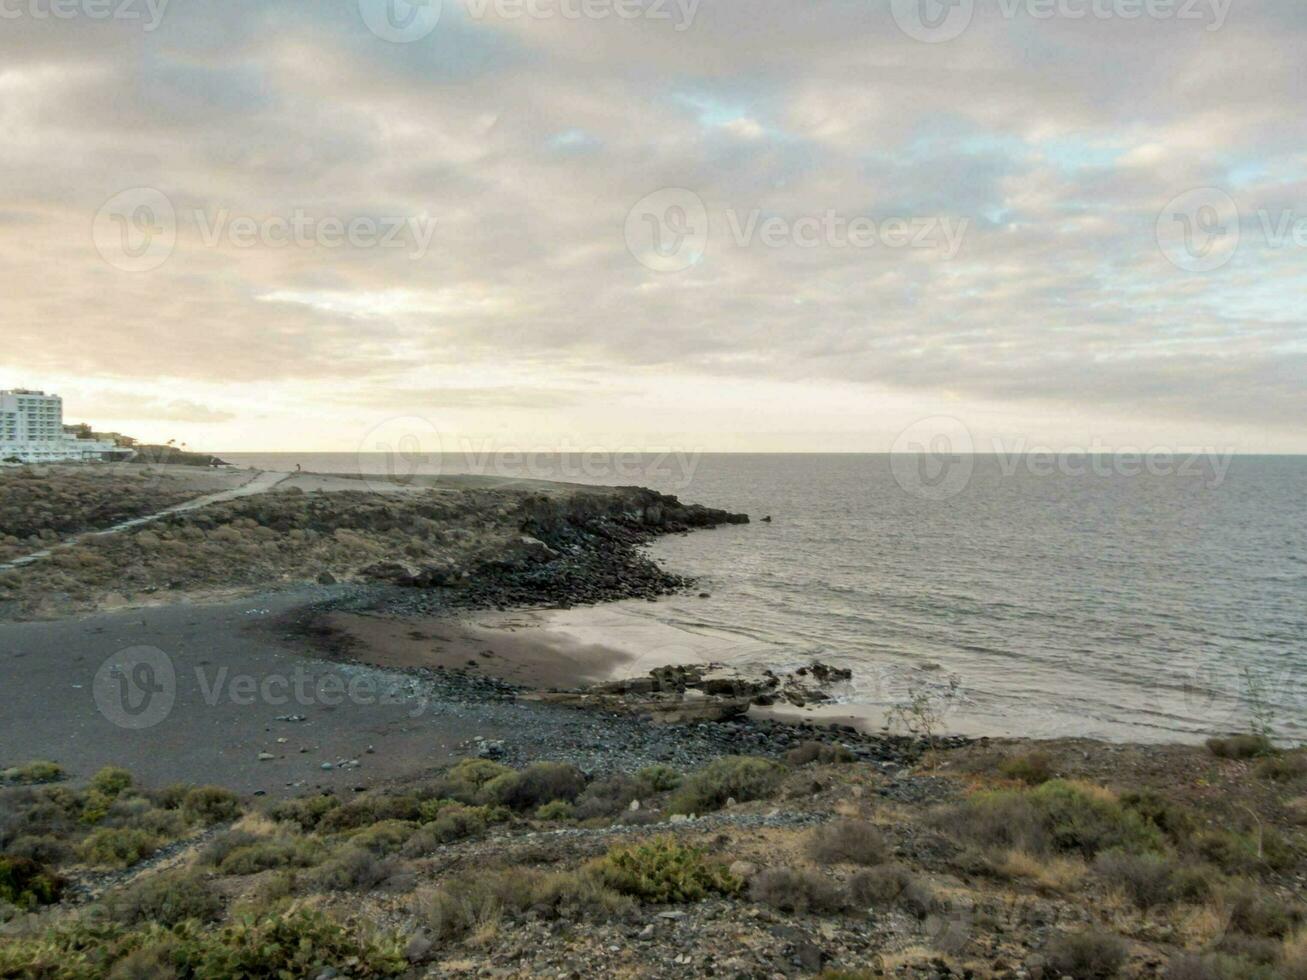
216 728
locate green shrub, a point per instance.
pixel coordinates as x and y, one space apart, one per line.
211 804
1175 821
167 898
1255 912
33 773
847 842
240 853
1241 747
737 777
453 822
556 810
367 811
111 781
665 871
792 890
1058 817
657 779
1242 852
1218 966
385 837
352 868
1088 955
1287 767
305 812
118 847
41 848
297 943
465 780
26 883
537 784
1031 768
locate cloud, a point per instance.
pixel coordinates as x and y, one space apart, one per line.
526 142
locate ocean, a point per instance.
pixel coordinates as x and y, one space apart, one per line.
1158 598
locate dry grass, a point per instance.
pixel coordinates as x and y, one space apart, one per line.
1057 874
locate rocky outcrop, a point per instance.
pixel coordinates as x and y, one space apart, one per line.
682 694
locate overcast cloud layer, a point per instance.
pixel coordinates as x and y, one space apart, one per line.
498 284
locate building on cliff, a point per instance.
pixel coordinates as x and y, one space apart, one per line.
32 431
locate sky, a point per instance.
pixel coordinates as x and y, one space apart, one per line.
726 225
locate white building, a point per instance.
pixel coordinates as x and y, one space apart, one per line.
32 431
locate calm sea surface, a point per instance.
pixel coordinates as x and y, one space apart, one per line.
1156 599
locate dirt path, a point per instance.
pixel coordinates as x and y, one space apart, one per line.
260 481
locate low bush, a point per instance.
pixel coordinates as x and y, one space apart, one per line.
42 848
465 780
368 811
211 804
241 853
556 810
385 837
111 781
793 890
665 871
462 906
1256 912
453 822
1031 768
1237 853
657 779
167 898
536 785
1088 955
354 868
305 812
33 773
1152 879
1241 747
738 777
847 842
1058 817
807 753
1218 966
1287 767
118 847
26 883
608 797
889 886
